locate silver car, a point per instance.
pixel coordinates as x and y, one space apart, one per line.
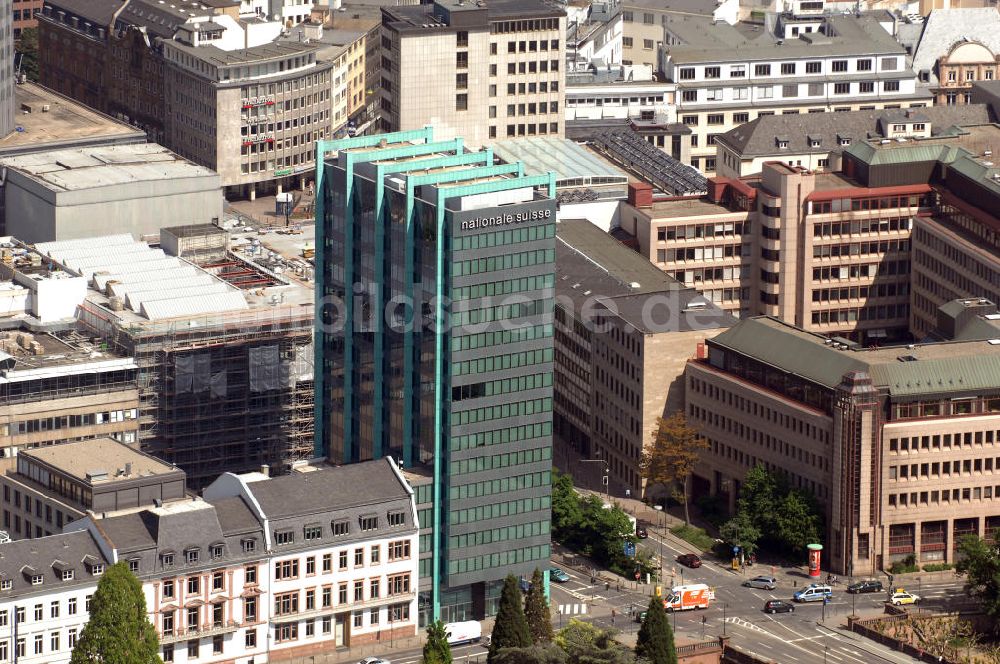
763 582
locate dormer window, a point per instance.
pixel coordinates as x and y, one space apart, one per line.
191 556
815 142
167 558
97 569
368 523
312 532
6 584
67 575
341 528
249 545
396 518
284 537
36 579
782 143
133 565
217 550
844 141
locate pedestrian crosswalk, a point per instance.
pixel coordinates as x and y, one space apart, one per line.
573 609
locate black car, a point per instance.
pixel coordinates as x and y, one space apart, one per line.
865 587
777 606
641 533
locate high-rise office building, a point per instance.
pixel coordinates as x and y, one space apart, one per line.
482 71
435 282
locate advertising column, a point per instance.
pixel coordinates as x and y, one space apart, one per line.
815 557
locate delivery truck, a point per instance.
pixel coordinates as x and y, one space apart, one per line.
468 631
689 596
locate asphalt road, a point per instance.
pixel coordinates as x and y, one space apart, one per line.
811 634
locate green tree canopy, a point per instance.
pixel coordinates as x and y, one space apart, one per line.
510 630
671 458
118 631
436 648
547 653
585 643
740 531
536 610
772 515
979 561
27 47
656 640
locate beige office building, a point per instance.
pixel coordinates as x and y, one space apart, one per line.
901 445
482 71
819 250
623 334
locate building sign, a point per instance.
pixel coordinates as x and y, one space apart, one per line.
253 102
505 219
257 139
283 171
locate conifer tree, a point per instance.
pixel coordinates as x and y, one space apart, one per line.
511 627
536 610
656 640
118 631
436 649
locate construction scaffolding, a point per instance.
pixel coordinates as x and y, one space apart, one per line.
220 392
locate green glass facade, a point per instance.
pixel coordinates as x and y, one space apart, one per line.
435 273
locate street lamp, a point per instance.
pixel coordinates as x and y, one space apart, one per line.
659 508
826 649
725 605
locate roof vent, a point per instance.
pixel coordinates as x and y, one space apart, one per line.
906 358
634 284
994 342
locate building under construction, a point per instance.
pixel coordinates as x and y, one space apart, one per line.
223 346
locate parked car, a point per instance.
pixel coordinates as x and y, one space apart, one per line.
639 617
558 575
903 597
778 606
869 586
815 592
468 631
641 533
763 582
374 660
689 560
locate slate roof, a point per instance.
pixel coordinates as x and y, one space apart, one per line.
99 12
235 516
48 556
758 137
946 28
941 368
173 527
328 489
593 266
721 42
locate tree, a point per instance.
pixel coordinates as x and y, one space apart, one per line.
656 640
27 47
511 628
548 653
118 631
536 610
672 457
797 521
567 514
585 643
979 561
740 531
436 649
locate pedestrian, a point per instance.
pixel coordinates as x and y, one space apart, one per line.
613 614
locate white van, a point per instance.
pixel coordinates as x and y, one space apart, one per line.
469 631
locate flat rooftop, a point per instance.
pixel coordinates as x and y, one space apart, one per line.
25 354
213 55
100 461
85 168
64 122
687 207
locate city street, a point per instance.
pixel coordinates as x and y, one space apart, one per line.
811 634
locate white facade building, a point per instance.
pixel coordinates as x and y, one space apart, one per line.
45 590
728 75
260 570
618 93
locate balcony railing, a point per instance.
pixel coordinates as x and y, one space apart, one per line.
199 631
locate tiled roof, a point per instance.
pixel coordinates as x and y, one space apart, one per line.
758 137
